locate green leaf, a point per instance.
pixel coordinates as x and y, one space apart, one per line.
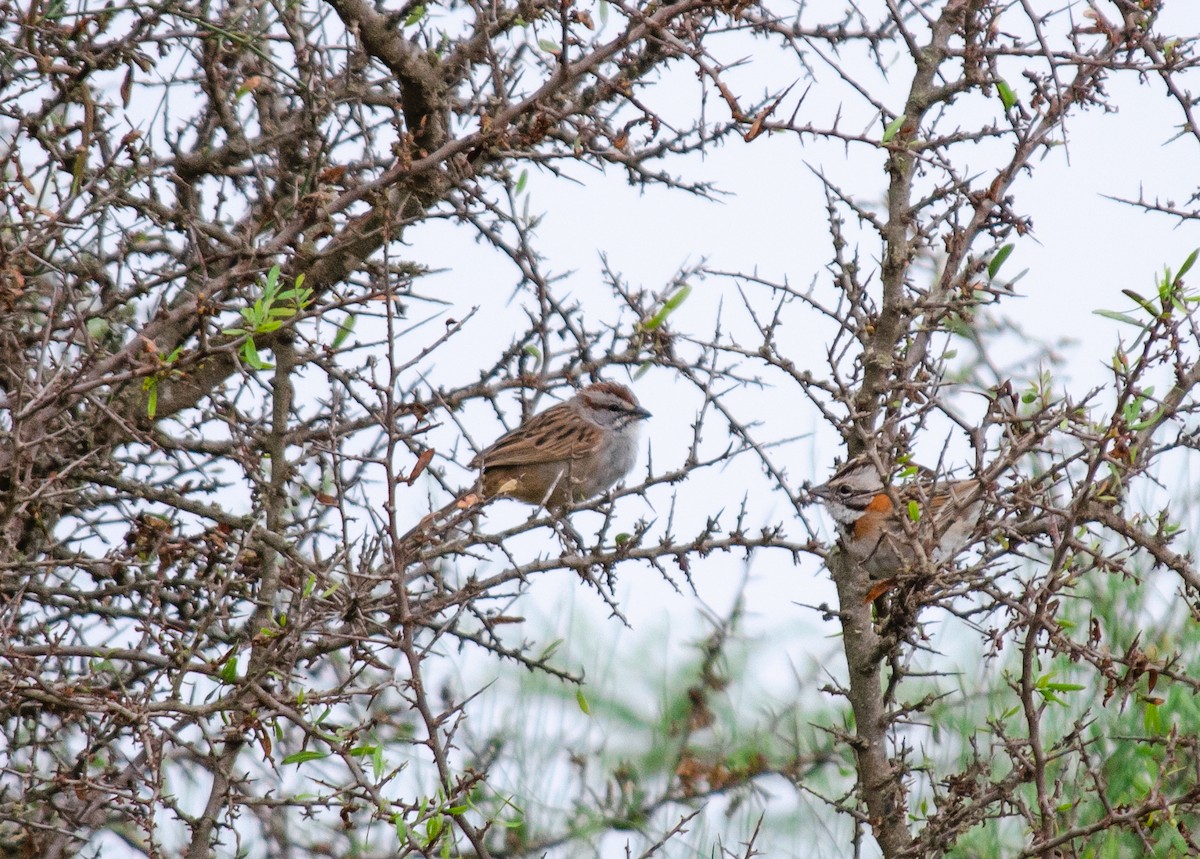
522 180
1007 97
250 355
669 307
150 386
1064 687
1141 302
343 331
229 671
417 13
433 829
892 128
998 260
603 12
550 47
1119 317
301 757
1187 264
1152 719
582 702
914 510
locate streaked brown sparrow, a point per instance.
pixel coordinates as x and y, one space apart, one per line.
570 452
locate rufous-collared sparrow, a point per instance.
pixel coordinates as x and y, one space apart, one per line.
889 530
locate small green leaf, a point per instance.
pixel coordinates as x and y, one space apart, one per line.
1007 97
1141 302
622 538
582 702
892 128
1152 719
433 829
229 672
150 386
522 180
343 331
301 757
1119 317
1187 264
533 351
914 511
250 355
417 13
550 47
998 260
669 307
603 12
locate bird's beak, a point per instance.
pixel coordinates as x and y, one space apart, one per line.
821 491
641 414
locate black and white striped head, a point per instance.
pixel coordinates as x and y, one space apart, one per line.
854 489
610 405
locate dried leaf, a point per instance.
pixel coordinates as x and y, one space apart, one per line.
469 500
422 462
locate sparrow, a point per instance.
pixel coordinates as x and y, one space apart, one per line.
879 533
572 451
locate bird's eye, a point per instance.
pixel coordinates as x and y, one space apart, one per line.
845 490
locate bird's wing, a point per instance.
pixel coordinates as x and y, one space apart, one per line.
546 437
954 494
